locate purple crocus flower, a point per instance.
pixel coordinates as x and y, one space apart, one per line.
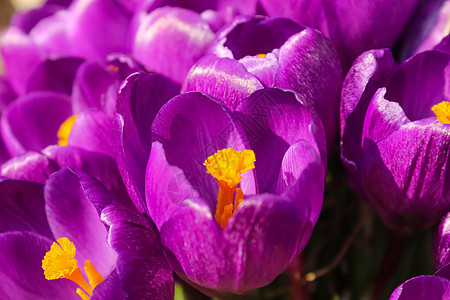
395 139
67 210
353 27
65 89
78 30
256 52
218 244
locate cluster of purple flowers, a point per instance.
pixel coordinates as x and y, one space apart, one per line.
147 138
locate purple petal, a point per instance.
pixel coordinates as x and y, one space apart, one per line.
22 276
100 166
383 117
302 179
263 68
73 201
444 45
273 120
423 287
441 244
309 13
30 166
26 125
140 98
92 131
166 187
353 27
231 8
95 87
124 65
369 71
54 75
7 94
309 65
51 34
141 264
420 83
227 260
192 127
255 35
22 207
110 288
222 78
19 56
427 29
444 272
404 175
195 5
98 27
28 19
170 40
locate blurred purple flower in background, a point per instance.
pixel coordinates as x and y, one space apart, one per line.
353 27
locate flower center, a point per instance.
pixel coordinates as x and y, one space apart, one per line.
442 111
59 262
226 166
65 129
261 55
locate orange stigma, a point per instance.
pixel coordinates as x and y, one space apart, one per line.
261 55
226 166
442 111
59 262
65 129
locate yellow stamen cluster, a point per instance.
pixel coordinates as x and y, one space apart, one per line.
59 262
442 111
65 129
226 166
261 55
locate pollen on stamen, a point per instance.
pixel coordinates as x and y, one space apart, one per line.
442 111
65 129
262 55
60 261
227 165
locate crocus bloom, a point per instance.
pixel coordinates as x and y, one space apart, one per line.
256 52
236 228
352 26
78 30
395 135
43 242
64 88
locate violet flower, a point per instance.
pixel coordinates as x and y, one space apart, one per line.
226 247
256 52
395 139
353 27
67 209
78 30
64 88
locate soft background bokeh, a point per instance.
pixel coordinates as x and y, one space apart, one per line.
7 7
